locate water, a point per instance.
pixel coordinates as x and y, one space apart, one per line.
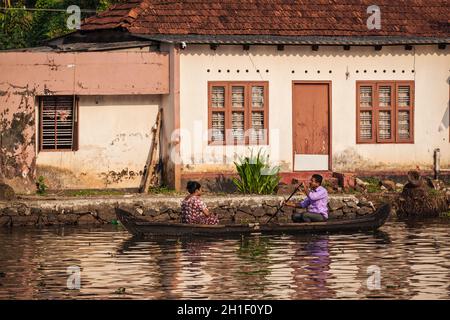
413 261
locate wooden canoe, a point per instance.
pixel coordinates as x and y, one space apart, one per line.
142 228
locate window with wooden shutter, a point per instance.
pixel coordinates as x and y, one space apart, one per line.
258 134
366 125
385 112
58 123
218 114
384 125
365 109
238 112
218 126
218 97
404 112
384 105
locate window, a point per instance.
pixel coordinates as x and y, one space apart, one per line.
238 112
58 123
385 112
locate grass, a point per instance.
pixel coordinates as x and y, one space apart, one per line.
373 185
434 192
87 193
162 190
445 214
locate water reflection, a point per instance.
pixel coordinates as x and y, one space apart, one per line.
414 262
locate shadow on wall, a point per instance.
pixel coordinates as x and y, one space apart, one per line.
303 51
57 178
352 161
444 125
445 122
220 183
349 160
61 178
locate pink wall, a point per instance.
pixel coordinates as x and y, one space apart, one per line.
25 75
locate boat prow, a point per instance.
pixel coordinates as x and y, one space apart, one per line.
142 228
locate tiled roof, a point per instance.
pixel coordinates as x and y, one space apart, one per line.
336 18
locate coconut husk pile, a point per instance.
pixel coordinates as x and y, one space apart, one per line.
419 200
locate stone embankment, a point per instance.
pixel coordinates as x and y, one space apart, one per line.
42 211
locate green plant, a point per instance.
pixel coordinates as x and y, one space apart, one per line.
445 214
434 192
41 186
373 185
256 175
87 193
161 190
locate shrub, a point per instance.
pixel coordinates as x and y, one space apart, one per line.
41 186
256 175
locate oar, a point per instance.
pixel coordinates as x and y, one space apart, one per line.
282 205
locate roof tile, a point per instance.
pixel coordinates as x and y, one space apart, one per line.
424 18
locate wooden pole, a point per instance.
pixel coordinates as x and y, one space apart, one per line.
437 164
150 177
284 202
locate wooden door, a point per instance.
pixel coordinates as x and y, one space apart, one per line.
311 126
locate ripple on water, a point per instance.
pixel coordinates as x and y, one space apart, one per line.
413 261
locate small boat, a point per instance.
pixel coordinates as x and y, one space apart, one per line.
142 228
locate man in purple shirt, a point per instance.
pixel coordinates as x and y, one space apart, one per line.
316 202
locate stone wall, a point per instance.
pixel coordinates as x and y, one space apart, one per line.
231 209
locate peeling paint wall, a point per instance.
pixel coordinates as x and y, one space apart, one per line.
17 138
115 136
25 75
200 64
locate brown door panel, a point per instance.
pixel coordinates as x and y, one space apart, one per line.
311 118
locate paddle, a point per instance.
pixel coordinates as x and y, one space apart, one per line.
284 202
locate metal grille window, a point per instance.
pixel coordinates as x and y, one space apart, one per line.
58 123
385 112
242 108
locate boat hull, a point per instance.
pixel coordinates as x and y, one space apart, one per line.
142 228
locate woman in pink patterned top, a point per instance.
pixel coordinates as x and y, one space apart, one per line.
193 209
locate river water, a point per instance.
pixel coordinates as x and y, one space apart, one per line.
400 261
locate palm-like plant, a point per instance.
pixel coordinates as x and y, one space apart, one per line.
256 175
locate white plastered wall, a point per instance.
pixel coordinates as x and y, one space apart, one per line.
431 75
115 135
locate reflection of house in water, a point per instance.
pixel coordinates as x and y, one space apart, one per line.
281 280
18 279
344 267
240 274
311 264
429 262
158 272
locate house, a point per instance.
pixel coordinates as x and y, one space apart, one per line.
328 86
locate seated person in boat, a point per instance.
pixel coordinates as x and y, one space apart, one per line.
316 202
193 209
